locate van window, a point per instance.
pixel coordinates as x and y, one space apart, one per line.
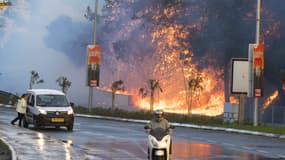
31 101
52 100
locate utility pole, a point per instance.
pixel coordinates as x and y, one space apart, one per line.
255 116
90 99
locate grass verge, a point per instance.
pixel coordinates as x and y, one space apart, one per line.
178 118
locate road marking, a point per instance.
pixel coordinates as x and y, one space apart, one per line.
262 151
247 148
211 141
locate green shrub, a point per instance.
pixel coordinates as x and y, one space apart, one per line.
179 118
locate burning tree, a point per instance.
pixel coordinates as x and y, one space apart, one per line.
116 86
195 86
154 85
157 26
173 41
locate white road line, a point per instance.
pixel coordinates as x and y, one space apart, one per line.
211 141
248 148
262 151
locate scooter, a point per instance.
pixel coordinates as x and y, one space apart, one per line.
159 143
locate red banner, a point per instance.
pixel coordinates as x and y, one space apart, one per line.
258 67
94 54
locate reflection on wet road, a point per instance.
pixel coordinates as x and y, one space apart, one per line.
196 150
120 149
94 139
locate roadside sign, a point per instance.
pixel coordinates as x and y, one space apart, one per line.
93 65
239 78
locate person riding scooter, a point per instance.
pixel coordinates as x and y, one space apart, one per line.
159 122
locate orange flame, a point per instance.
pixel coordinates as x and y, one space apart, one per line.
270 99
209 102
173 72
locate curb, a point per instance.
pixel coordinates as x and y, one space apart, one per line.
256 133
14 155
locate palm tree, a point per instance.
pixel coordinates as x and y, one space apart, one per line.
142 92
35 79
154 85
64 83
195 85
116 86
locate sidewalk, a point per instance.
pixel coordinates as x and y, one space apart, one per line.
27 144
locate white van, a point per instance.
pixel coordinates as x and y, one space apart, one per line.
46 107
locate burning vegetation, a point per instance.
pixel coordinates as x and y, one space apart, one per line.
185 46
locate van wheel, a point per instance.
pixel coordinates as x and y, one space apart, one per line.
25 123
36 125
70 128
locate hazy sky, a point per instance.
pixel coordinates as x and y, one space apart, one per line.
28 42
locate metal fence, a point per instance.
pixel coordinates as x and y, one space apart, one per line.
273 115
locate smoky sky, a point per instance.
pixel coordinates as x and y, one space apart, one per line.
229 27
70 38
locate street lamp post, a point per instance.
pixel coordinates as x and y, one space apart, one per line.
255 116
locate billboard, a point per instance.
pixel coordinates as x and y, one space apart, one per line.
258 68
239 82
93 65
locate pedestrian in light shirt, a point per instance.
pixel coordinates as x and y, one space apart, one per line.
21 110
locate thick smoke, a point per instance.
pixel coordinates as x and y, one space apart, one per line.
207 35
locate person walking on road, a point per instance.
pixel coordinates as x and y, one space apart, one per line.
21 110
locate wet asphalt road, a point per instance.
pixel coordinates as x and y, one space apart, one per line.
105 139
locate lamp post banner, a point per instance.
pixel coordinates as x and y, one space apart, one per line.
258 68
93 65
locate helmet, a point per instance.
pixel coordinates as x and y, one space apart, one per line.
158 114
